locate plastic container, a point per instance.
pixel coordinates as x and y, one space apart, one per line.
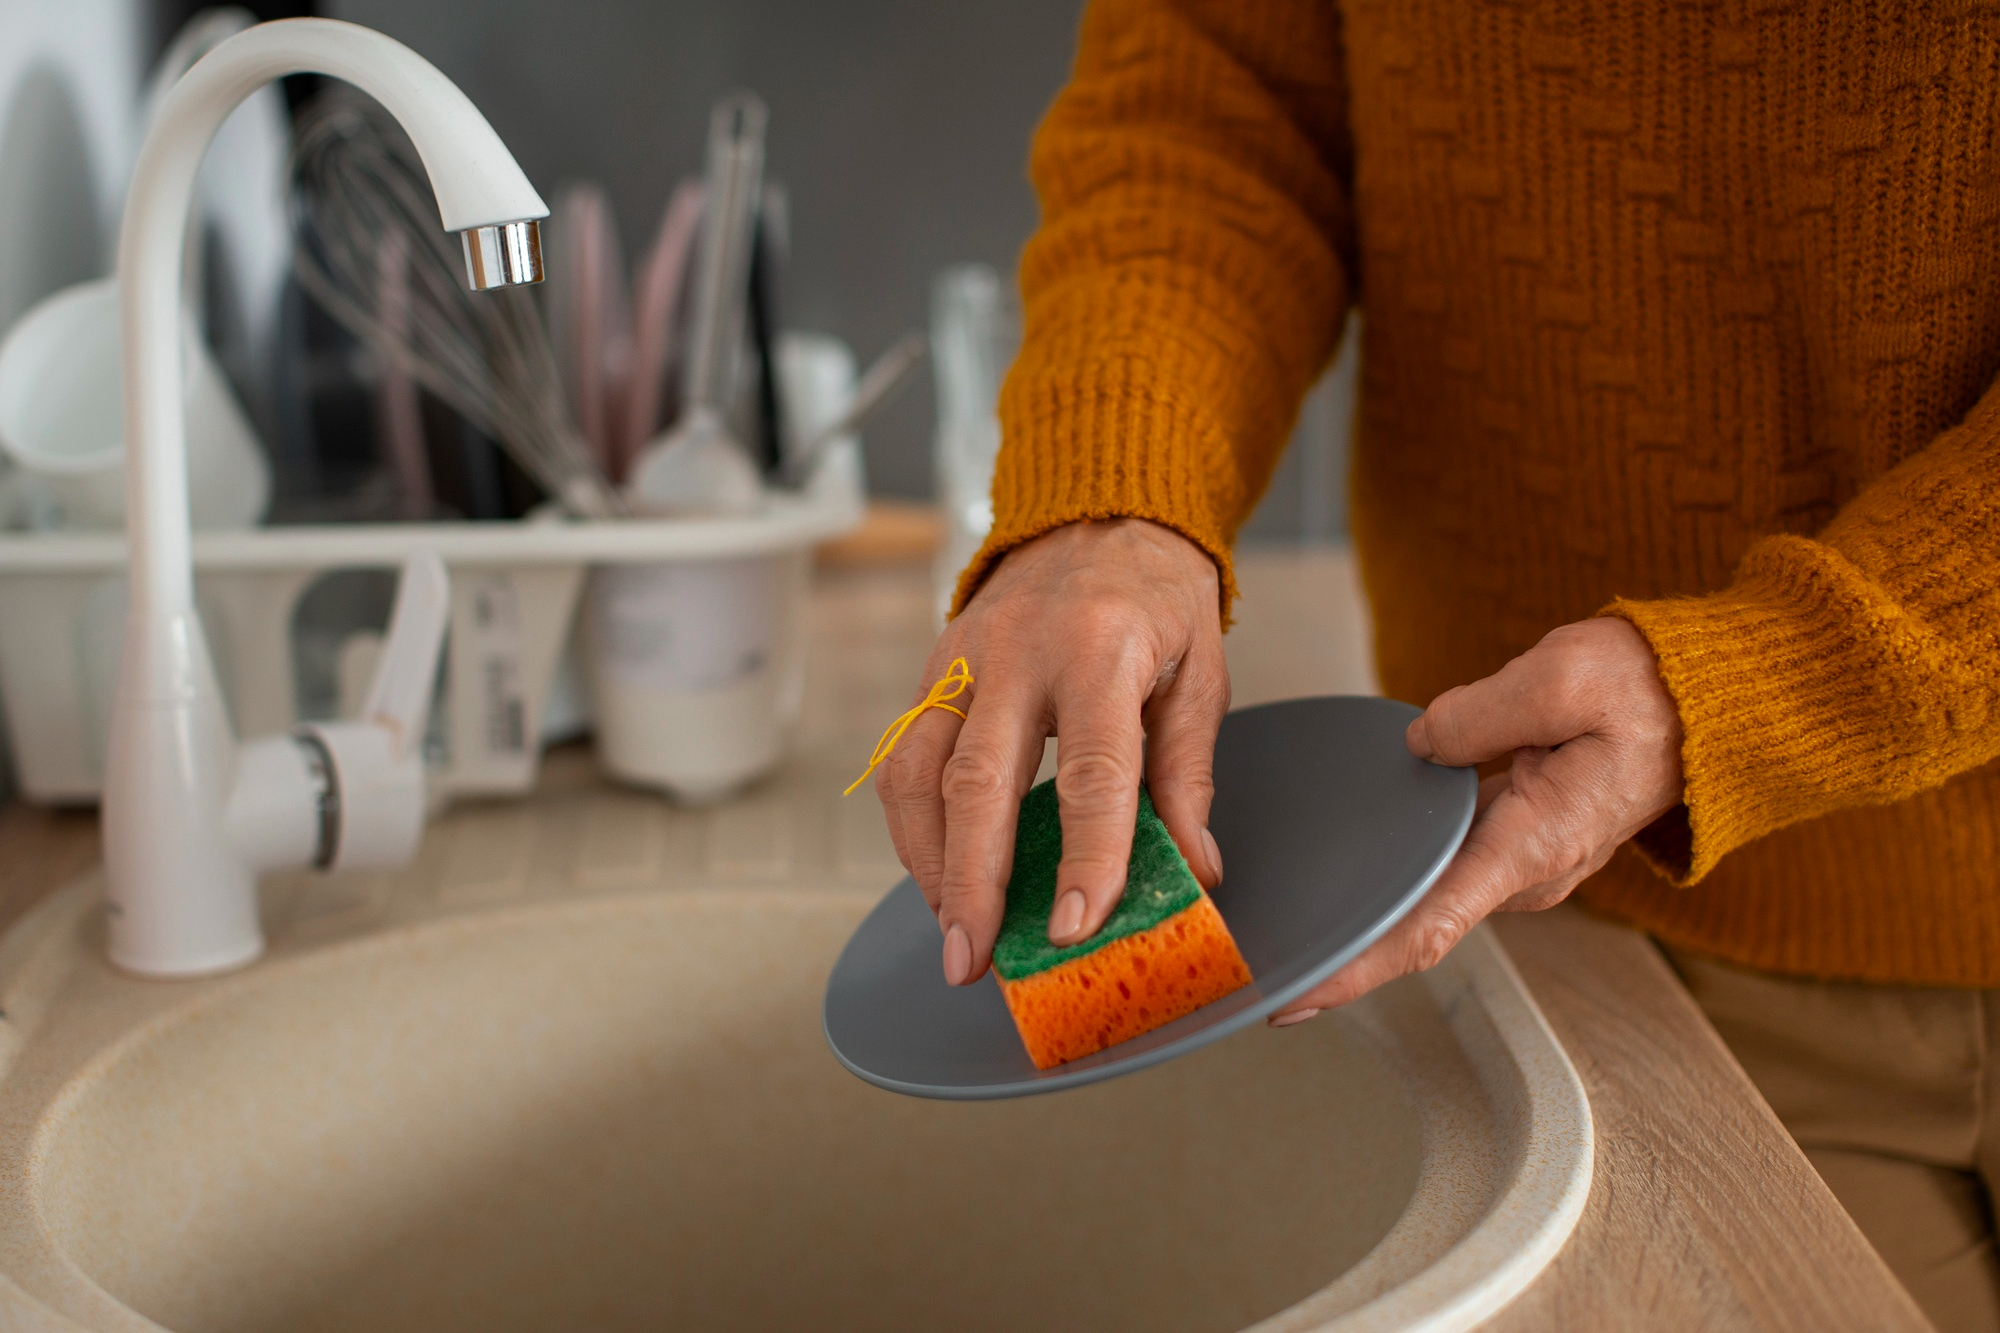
697 667
62 416
291 621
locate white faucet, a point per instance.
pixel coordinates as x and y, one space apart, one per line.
191 817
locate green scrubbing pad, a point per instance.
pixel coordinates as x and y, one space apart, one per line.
1157 885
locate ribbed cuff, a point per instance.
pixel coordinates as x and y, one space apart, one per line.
1787 688
1107 442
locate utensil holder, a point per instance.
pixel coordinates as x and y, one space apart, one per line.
514 591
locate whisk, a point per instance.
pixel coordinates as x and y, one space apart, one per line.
360 184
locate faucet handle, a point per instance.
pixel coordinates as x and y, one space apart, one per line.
399 699
372 805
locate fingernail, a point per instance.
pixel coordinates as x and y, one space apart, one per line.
1067 920
1286 1020
957 956
1418 738
1214 855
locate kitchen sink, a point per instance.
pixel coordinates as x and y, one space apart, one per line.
618 1112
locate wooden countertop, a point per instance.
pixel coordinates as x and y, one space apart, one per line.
1702 1213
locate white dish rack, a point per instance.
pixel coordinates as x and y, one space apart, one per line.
514 594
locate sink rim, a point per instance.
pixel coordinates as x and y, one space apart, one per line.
1542 1183
1526 1224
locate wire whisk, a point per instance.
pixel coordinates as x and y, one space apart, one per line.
367 209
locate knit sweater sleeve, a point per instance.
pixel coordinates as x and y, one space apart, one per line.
1856 667
1188 279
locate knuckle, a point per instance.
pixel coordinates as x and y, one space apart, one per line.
1433 938
1444 721
1481 860
926 866
910 773
963 896
1196 784
1569 640
1559 851
1562 646
1092 775
1589 866
1097 873
1538 899
971 779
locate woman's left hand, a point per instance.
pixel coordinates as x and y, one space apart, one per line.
1597 757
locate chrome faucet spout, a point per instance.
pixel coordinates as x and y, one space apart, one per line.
509 255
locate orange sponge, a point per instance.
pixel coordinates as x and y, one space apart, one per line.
1164 952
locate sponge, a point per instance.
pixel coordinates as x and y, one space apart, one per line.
1163 953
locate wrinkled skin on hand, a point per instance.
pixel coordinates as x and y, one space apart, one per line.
1596 746
1108 635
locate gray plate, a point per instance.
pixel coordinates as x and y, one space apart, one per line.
1330 831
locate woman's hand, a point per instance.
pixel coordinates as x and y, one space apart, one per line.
1109 636
1597 757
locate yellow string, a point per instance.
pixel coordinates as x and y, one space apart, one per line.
958 678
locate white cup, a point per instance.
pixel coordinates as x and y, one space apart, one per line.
62 416
697 669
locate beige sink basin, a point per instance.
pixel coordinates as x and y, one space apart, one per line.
618 1112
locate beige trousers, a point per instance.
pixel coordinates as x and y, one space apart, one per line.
1894 1093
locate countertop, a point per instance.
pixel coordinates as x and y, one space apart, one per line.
1702 1214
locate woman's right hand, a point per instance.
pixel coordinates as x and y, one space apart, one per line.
1107 635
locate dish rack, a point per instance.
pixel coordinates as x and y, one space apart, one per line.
514 594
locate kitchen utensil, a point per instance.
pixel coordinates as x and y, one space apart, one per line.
487 354
1331 830
656 300
698 466
399 421
881 379
61 415
589 316
765 261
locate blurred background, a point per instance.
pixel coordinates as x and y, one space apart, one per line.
899 127
897 146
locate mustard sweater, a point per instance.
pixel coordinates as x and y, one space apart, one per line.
1691 313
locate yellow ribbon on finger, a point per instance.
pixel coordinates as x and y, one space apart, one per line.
949 686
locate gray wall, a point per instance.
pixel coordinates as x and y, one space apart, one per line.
900 128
